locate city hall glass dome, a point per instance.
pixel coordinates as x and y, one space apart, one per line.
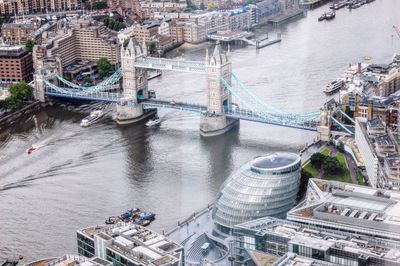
265 186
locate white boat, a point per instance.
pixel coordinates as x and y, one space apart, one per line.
334 86
92 118
153 122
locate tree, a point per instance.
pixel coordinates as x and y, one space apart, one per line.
350 113
151 47
103 67
19 92
88 80
305 176
211 6
202 6
29 45
317 160
331 165
190 5
106 21
340 146
126 42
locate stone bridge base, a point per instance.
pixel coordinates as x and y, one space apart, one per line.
324 133
131 114
216 125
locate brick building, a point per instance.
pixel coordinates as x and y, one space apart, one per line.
15 64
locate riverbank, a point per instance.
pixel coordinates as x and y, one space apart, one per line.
15 115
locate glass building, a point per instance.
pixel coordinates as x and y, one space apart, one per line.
265 186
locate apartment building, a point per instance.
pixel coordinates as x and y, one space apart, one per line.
32 6
83 40
15 64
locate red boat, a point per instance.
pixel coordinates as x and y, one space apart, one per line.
31 149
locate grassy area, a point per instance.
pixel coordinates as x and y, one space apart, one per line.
311 170
341 159
343 177
325 151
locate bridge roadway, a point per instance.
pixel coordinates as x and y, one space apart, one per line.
242 114
171 64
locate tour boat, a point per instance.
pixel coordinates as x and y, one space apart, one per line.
93 117
154 122
330 15
334 86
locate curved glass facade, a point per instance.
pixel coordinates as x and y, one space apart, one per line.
265 186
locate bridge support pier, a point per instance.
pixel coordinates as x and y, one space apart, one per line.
324 129
127 114
216 125
134 85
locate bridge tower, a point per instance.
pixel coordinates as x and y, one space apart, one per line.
324 128
135 87
219 99
39 90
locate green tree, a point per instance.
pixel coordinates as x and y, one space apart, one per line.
151 47
4 19
202 6
331 166
317 160
88 80
350 113
211 6
126 42
106 21
305 176
190 5
29 45
103 67
340 146
19 92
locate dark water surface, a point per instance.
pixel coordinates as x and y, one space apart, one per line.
80 176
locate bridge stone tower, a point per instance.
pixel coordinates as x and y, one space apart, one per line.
324 128
135 86
219 99
38 65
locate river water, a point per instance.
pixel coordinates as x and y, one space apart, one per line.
80 176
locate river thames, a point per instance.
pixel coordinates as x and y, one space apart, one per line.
80 176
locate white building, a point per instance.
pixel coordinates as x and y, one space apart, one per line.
125 34
367 152
163 29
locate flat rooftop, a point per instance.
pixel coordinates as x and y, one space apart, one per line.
350 207
274 160
321 239
68 260
135 242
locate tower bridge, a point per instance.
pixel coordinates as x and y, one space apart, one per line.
229 100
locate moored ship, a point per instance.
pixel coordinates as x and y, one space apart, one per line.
334 86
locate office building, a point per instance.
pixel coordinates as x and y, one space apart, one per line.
282 242
350 208
265 186
127 244
67 260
